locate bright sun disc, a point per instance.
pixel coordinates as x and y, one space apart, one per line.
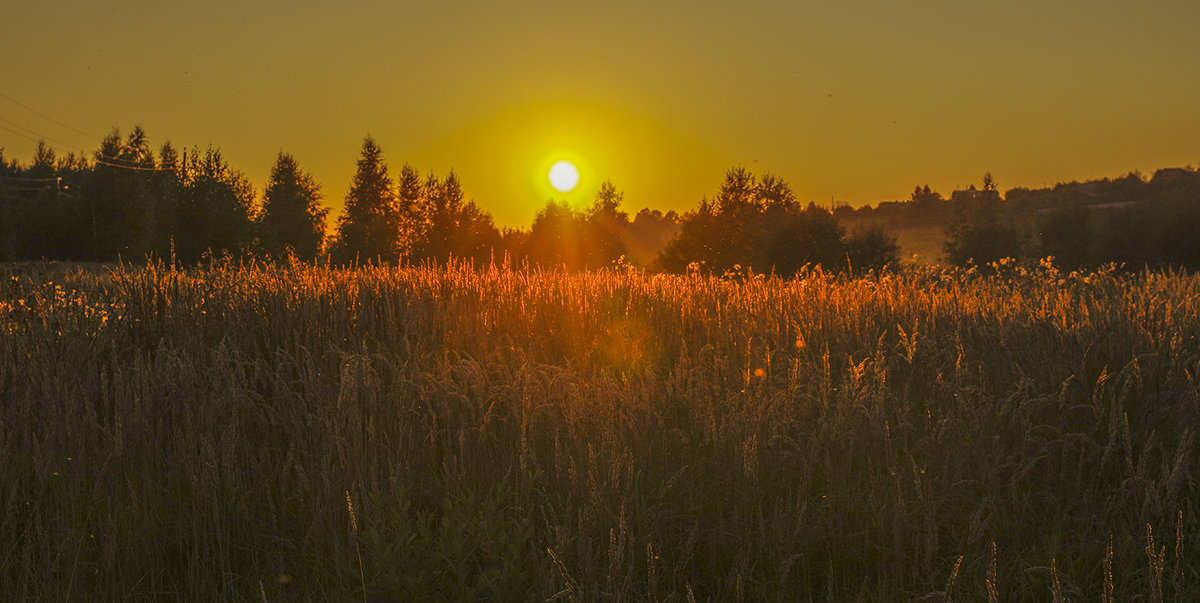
564 176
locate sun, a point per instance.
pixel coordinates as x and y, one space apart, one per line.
564 176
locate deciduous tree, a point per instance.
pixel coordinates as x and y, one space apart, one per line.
216 207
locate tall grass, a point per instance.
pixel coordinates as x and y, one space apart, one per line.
531 435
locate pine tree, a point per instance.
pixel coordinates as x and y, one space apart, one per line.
369 227
292 216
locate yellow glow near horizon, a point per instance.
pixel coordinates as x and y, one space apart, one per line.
649 162
564 176
842 100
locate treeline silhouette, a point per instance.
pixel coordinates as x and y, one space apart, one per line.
129 201
756 222
1133 221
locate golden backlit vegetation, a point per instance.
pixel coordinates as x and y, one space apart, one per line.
241 431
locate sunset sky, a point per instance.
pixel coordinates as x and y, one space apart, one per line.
854 101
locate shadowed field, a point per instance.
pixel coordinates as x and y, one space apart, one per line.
524 435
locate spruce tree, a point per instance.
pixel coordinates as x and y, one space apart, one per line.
369 227
414 224
292 217
452 226
443 206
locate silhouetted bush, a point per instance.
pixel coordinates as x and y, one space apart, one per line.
979 231
756 223
871 249
562 236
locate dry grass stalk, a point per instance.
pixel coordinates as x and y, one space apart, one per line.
572 589
1056 588
357 548
1180 561
1109 590
993 589
651 573
1157 559
949 590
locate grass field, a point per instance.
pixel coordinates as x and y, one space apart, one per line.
293 433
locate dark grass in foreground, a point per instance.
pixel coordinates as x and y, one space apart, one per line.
522 435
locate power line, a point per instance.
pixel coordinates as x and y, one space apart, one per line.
26 137
100 161
110 162
43 136
47 117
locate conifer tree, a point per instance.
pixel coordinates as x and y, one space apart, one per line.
451 226
409 203
369 227
292 216
443 203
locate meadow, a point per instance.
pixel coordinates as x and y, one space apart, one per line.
245 431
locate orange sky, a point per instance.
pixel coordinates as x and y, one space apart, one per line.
856 101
